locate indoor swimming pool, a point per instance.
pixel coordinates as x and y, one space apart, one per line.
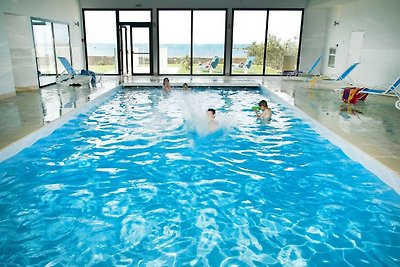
144 179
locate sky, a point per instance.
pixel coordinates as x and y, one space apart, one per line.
208 26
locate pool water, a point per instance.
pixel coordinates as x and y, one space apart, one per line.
142 180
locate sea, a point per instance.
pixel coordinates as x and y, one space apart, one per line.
173 50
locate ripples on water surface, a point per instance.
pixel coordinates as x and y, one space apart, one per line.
140 181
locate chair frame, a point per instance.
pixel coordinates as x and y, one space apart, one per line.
299 73
393 89
72 76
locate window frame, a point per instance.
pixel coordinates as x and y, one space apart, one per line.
117 23
53 45
191 39
266 36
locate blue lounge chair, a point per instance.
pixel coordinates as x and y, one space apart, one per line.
392 90
244 66
73 77
309 73
344 74
341 78
347 72
210 65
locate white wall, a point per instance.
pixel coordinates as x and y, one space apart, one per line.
313 39
380 54
21 49
67 11
7 86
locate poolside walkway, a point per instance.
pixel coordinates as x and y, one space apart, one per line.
373 126
29 111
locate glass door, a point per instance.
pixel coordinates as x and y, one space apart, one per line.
61 44
51 40
124 52
140 40
44 48
135 48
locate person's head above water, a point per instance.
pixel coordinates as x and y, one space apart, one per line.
185 86
266 112
263 104
166 85
165 81
211 113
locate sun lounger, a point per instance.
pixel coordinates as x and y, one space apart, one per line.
73 77
341 78
244 66
211 65
299 73
353 94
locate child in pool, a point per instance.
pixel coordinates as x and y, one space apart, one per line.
211 119
185 87
166 85
266 112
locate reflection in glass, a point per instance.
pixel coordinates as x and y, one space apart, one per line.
208 42
283 41
43 38
101 41
248 41
174 42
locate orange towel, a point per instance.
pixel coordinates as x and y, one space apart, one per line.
352 95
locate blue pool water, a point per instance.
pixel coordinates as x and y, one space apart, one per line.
142 181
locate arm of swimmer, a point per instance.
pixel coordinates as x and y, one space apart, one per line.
257 114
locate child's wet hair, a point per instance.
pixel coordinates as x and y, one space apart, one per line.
263 103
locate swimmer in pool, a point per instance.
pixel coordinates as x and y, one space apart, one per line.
166 85
185 87
265 113
211 119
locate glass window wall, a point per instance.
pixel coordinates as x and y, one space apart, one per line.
174 41
101 41
135 16
61 44
186 48
51 40
248 41
208 45
44 47
253 53
283 41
